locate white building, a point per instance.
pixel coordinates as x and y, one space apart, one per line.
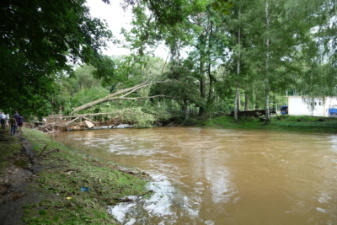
305 106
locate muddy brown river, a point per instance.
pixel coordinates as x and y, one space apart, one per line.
220 177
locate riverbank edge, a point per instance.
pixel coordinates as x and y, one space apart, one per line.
285 123
45 182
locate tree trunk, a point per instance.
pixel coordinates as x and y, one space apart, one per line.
202 76
246 101
202 92
237 91
186 110
236 104
210 97
254 106
267 87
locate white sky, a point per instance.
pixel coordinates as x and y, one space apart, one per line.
116 18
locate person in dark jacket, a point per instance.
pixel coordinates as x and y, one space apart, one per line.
20 122
16 116
13 124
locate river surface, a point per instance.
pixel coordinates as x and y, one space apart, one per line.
220 177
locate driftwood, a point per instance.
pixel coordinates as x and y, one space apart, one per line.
88 119
47 153
89 124
72 121
47 128
76 122
50 151
44 149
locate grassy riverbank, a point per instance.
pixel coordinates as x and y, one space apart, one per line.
285 123
72 188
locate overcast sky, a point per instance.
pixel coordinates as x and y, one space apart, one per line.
116 17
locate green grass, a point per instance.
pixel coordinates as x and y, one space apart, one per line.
9 147
287 123
64 173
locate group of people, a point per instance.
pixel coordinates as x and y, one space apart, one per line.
16 121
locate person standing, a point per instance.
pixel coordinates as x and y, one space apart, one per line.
2 120
16 115
17 118
13 124
20 122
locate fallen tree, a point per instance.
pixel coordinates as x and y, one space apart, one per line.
120 95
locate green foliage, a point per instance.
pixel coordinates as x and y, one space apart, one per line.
105 70
77 90
137 115
84 96
180 84
318 80
254 48
143 33
158 110
169 12
83 87
223 7
37 39
218 43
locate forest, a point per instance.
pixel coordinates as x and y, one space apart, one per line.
226 56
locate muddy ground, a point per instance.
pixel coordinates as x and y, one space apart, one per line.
14 194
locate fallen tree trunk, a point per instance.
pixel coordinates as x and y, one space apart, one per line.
119 95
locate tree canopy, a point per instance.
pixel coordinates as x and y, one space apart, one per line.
224 54
38 40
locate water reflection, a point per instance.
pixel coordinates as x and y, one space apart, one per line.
208 176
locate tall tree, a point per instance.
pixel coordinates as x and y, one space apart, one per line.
275 38
38 39
267 41
208 47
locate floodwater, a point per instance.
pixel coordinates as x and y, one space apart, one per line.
220 177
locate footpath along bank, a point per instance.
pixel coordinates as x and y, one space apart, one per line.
44 182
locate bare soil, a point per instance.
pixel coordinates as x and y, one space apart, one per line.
14 194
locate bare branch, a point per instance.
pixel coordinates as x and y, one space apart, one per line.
72 121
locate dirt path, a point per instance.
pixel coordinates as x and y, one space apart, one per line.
14 193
